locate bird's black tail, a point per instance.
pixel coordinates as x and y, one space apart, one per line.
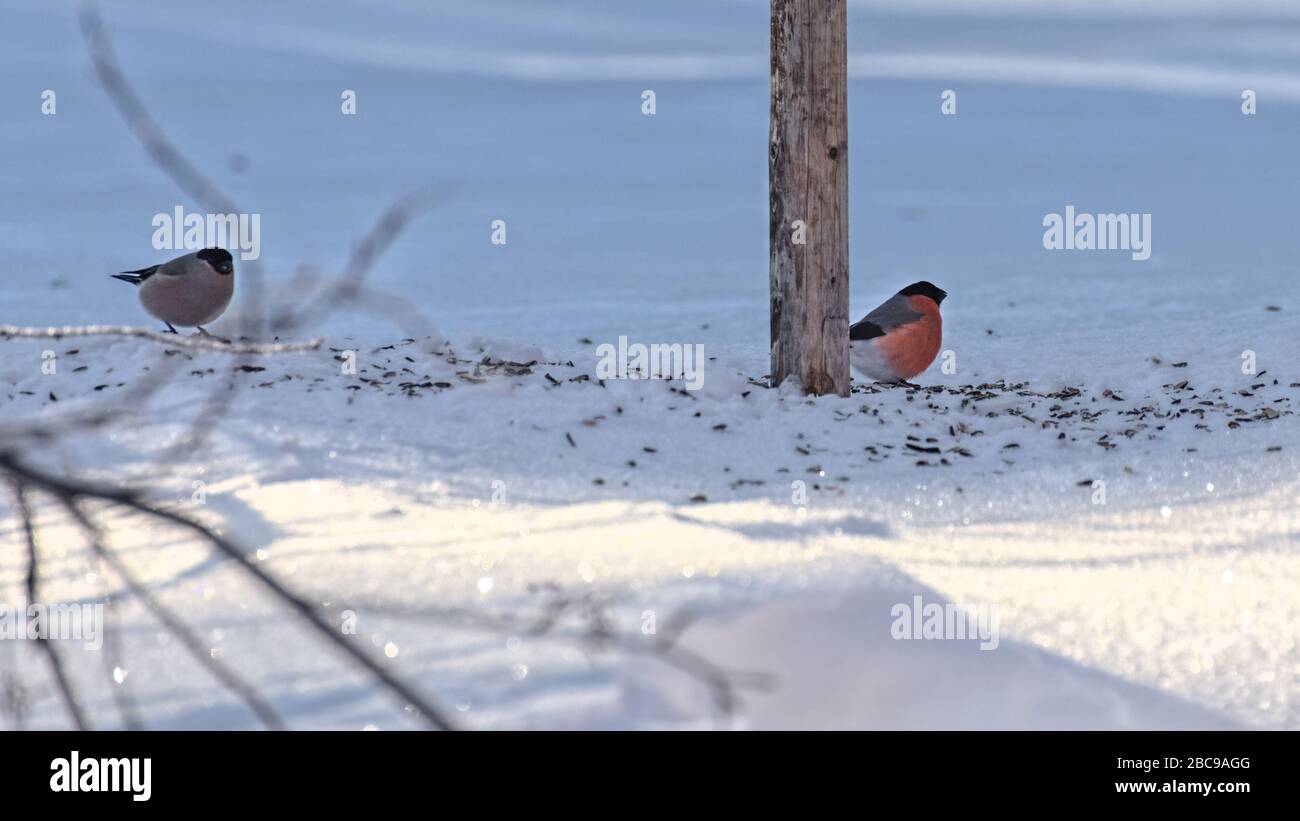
136 277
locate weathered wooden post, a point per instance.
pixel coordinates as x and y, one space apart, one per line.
808 193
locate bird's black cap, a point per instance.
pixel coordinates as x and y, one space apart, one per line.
219 259
213 256
924 288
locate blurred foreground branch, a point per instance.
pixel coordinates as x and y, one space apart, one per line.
73 493
80 499
195 343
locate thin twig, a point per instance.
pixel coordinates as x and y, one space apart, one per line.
361 261
146 129
343 291
189 640
115 658
33 598
76 490
189 179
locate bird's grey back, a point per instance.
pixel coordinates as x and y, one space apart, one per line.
182 265
892 312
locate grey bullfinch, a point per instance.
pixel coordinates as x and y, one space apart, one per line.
191 290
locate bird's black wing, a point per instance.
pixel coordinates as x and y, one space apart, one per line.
137 276
863 329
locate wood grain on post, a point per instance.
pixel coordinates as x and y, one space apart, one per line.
808 195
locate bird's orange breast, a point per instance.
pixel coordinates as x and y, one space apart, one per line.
911 348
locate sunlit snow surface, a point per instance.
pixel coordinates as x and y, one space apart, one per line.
446 519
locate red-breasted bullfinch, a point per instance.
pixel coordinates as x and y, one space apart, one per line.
902 337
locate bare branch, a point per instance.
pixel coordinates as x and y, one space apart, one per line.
146 129
189 179
347 291
115 659
14 698
75 490
53 425
191 642
365 254
34 597
194 343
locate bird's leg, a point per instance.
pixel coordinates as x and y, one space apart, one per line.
212 336
907 384
170 329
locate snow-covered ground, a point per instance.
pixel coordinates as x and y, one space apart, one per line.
446 496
